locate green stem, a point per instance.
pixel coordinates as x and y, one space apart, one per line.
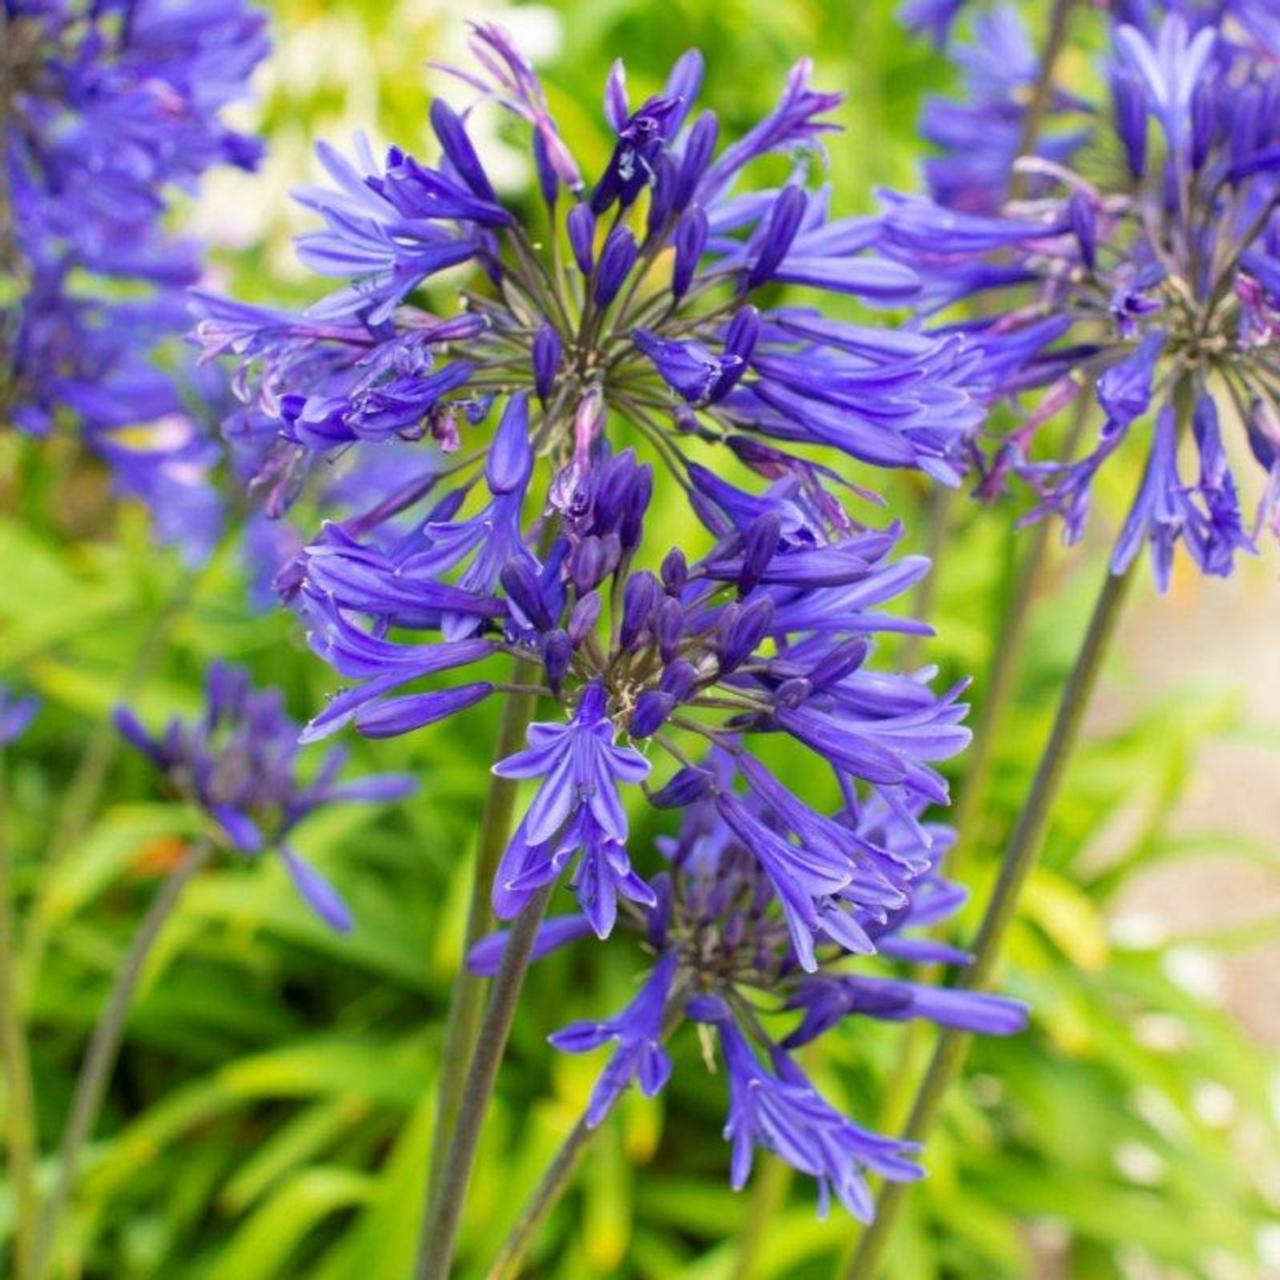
440 1228
104 1045
557 1176
1042 92
466 1002
1024 846
1006 654
20 1109
551 1186
767 1197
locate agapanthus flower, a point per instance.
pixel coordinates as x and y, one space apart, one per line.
1159 293
635 304
725 956
238 762
107 109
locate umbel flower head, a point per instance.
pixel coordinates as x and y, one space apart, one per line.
1158 292
723 955
106 108
637 298
238 763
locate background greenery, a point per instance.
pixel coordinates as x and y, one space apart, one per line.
271 1112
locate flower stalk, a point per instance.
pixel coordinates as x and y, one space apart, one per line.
440 1229
466 1002
20 1134
1024 848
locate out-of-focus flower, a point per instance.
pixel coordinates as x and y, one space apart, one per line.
107 108
1163 293
16 713
238 762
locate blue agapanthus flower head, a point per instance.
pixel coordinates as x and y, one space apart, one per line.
107 109
726 955
635 306
238 762
1158 293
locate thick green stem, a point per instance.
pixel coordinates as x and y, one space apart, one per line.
440 1229
1024 847
467 999
1006 653
104 1045
20 1111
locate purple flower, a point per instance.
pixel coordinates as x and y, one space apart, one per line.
371 362
1159 295
107 113
238 763
637 1031
719 924
576 806
780 1111
15 715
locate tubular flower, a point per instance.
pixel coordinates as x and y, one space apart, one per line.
106 109
1171 281
638 299
238 763
726 956
16 713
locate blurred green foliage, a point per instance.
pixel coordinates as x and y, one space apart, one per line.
271 1112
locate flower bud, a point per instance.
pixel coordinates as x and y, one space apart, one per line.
686 786
616 260
651 711
639 598
784 221
581 226
547 353
691 240
510 459
521 586
557 652
668 627
675 571
758 545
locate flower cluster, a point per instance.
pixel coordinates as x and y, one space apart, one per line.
238 763
1161 290
724 956
633 327
106 107
638 296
